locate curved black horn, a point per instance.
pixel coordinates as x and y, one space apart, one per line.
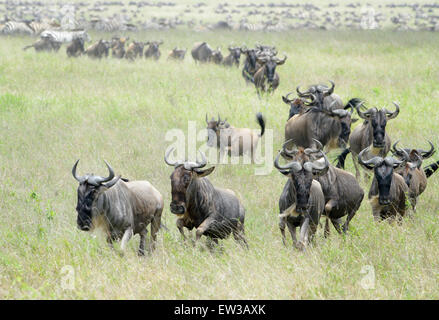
169 163
295 165
305 94
370 164
99 179
394 114
331 90
427 154
364 115
196 165
395 150
79 179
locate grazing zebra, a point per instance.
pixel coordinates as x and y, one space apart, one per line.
65 36
16 27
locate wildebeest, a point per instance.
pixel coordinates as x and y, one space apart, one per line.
99 49
343 194
214 212
371 134
121 208
76 48
266 78
234 141
413 174
177 54
250 64
201 52
118 47
153 50
321 124
44 44
302 201
387 194
233 57
134 50
217 56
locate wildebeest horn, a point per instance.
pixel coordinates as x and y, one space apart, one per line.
312 150
305 94
395 150
169 163
285 150
79 179
97 180
279 61
295 165
427 154
313 100
317 167
206 119
370 164
113 182
288 94
196 165
364 115
330 90
392 115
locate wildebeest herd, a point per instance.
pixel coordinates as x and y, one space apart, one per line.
318 122
259 65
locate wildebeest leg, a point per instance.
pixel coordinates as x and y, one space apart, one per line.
126 237
239 235
304 234
110 241
292 230
282 230
351 214
356 165
142 242
180 225
327 231
155 226
202 228
336 223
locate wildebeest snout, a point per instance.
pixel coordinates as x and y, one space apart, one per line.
178 208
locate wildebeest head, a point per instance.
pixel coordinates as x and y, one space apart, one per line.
317 93
302 169
270 63
378 120
154 45
235 52
265 50
213 129
383 171
182 176
251 56
217 56
413 153
90 186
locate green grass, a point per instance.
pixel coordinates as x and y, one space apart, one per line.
54 110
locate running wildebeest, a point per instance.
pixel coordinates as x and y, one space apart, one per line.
153 50
201 52
250 65
387 194
76 48
266 78
98 50
121 208
44 44
214 212
371 134
233 57
302 201
413 174
134 50
234 141
343 194
177 54
329 126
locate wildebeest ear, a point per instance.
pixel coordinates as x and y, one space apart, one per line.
203 173
354 120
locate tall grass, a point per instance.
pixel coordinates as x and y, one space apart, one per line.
54 110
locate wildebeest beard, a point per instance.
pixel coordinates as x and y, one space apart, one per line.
384 176
86 196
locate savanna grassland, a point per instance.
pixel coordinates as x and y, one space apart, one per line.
54 110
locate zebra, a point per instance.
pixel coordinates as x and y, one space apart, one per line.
17 27
65 36
251 26
39 27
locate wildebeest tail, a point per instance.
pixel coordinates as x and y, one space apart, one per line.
353 102
431 168
27 47
341 158
261 121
